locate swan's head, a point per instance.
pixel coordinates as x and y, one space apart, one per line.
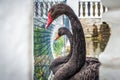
61 31
55 11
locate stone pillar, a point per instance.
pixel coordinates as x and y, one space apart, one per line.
101 9
83 6
81 9
86 9
110 58
96 9
91 9
99 13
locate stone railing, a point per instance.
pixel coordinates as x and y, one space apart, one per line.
90 9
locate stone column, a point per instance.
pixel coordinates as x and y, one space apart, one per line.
99 13
96 9
91 9
101 9
81 9
110 58
86 9
83 6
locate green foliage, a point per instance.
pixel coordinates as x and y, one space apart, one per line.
41 41
58 46
43 53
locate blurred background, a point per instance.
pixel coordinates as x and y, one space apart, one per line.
16 53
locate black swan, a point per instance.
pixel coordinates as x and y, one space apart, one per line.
76 63
60 61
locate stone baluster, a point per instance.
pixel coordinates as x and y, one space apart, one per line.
96 9
81 9
101 9
91 9
83 6
88 6
86 9
79 6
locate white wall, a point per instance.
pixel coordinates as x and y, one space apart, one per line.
15 39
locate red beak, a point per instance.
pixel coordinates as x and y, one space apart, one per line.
49 20
56 37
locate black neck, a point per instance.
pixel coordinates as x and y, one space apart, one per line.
78 37
69 35
77 60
